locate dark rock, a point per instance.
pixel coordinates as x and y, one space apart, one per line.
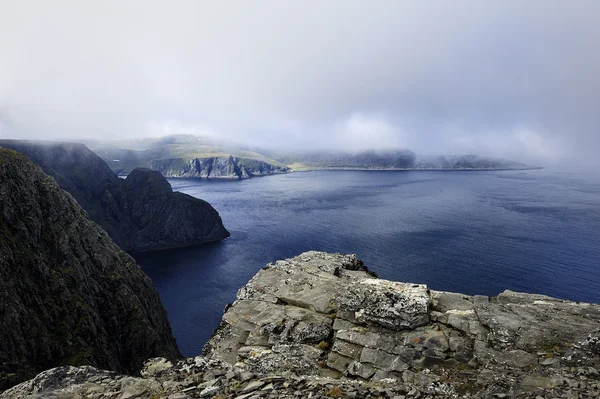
68 294
140 212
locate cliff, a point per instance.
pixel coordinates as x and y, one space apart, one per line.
140 213
68 294
321 325
216 168
187 156
398 160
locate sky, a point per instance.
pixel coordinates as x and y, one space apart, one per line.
517 79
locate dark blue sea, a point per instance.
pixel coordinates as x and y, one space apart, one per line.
470 232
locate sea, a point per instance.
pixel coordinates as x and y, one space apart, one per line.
478 232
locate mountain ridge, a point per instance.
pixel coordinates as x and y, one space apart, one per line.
68 294
188 156
171 219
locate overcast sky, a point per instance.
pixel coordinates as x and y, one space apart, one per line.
519 79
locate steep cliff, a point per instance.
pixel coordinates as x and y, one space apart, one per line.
187 156
140 213
321 325
161 218
68 293
216 168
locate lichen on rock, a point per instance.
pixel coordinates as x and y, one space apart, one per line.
321 325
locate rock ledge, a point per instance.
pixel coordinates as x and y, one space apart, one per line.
321 325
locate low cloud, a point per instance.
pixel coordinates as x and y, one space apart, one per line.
505 77
359 132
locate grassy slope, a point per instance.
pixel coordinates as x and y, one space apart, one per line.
129 159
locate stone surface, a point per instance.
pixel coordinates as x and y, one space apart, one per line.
296 331
68 293
371 329
140 212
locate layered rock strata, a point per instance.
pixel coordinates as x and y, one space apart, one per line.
216 168
325 315
321 325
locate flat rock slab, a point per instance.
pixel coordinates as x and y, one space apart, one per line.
326 314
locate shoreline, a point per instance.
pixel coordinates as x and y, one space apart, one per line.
311 169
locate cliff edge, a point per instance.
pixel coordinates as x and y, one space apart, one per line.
223 168
140 213
321 325
68 294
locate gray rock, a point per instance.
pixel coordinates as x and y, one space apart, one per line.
358 369
253 386
338 362
209 392
469 347
348 349
388 304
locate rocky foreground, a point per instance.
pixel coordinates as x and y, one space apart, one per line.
322 326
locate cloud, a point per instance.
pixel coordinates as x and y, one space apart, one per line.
359 132
298 74
166 128
520 142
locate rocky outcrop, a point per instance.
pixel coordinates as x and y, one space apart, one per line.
216 168
160 218
321 325
140 213
197 378
325 315
68 294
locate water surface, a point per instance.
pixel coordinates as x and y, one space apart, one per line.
470 232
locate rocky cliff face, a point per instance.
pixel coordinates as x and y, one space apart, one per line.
216 168
140 213
320 325
68 293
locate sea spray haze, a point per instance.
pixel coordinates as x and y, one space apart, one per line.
511 79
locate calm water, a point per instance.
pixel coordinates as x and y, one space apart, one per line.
470 232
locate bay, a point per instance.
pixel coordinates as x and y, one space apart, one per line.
471 232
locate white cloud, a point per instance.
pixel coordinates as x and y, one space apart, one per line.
359 132
165 128
297 74
523 143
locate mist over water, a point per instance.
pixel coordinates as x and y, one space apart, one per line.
470 232
504 78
